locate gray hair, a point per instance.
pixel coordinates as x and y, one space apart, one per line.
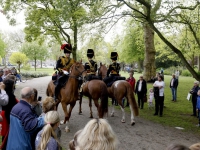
196 82
27 95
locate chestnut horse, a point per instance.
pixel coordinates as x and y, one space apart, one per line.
96 89
118 91
68 94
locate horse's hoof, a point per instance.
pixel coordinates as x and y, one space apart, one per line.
132 123
62 122
91 116
112 115
67 129
80 113
123 121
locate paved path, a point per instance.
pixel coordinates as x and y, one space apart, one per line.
145 135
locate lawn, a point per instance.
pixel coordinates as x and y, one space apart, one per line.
175 114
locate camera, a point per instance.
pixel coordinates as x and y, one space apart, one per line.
39 98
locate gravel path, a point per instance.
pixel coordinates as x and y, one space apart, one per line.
145 135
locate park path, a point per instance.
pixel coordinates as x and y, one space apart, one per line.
145 135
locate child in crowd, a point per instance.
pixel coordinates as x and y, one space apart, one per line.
48 105
198 106
150 100
46 139
195 146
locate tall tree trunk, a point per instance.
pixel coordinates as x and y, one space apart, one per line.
19 65
75 40
149 59
140 62
198 63
40 63
35 64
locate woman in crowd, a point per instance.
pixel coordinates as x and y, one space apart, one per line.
46 139
97 134
194 91
159 97
9 88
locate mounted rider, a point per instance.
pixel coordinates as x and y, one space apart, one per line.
113 70
63 65
91 65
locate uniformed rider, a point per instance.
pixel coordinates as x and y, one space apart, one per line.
63 66
113 69
91 65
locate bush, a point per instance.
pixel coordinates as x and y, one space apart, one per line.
26 66
186 73
33 74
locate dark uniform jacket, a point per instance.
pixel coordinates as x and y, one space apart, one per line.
113 69
91 67
64 63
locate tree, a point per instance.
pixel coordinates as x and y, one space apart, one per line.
56 19
2 48
35 52
18 58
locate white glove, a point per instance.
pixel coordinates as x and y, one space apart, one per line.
65 72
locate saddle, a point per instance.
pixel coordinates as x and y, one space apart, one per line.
110 81
92 77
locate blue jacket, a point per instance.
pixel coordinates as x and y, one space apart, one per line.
198 103
23 125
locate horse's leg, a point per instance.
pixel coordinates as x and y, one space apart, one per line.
113 110
123 114
69 114
64 106
90 105
132 116
97 105
80 102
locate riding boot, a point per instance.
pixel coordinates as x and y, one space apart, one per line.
57 90
127 104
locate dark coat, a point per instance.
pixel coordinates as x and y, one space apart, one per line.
144 87
175 83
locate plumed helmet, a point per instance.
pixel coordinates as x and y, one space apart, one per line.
90 53
66 47
113 55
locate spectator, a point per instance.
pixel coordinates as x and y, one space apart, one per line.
14 72
5 73
131 80
198 107
161 71
1 74
195 146
156 78
177 73
23 122
173 85
177 147
194 91
96 135
37 104
9 88
3 98
141 91
159 95
151 96
49 105
46 139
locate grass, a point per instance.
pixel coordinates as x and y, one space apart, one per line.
50 71
175 114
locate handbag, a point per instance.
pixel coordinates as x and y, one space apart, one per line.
145 98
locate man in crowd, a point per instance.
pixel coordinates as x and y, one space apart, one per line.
173 85
24 122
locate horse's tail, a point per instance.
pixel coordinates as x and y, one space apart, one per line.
103 108
131 100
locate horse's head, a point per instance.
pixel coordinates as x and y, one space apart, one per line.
77 69
102 71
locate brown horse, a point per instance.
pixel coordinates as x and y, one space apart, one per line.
118 91
69 94
96 89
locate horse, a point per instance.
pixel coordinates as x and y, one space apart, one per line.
118 91
95 89
69 93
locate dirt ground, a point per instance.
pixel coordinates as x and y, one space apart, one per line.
144 135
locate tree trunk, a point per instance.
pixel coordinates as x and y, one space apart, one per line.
149 58
19 65
198 63
75 40
35 64
140 62
40 63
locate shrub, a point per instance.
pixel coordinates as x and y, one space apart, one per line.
26 66
186 73
33 74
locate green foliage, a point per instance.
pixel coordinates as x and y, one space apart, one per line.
33 74
26 66
18 58
2 47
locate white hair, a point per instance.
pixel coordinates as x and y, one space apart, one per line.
196 82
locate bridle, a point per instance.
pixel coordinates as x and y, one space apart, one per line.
78 77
